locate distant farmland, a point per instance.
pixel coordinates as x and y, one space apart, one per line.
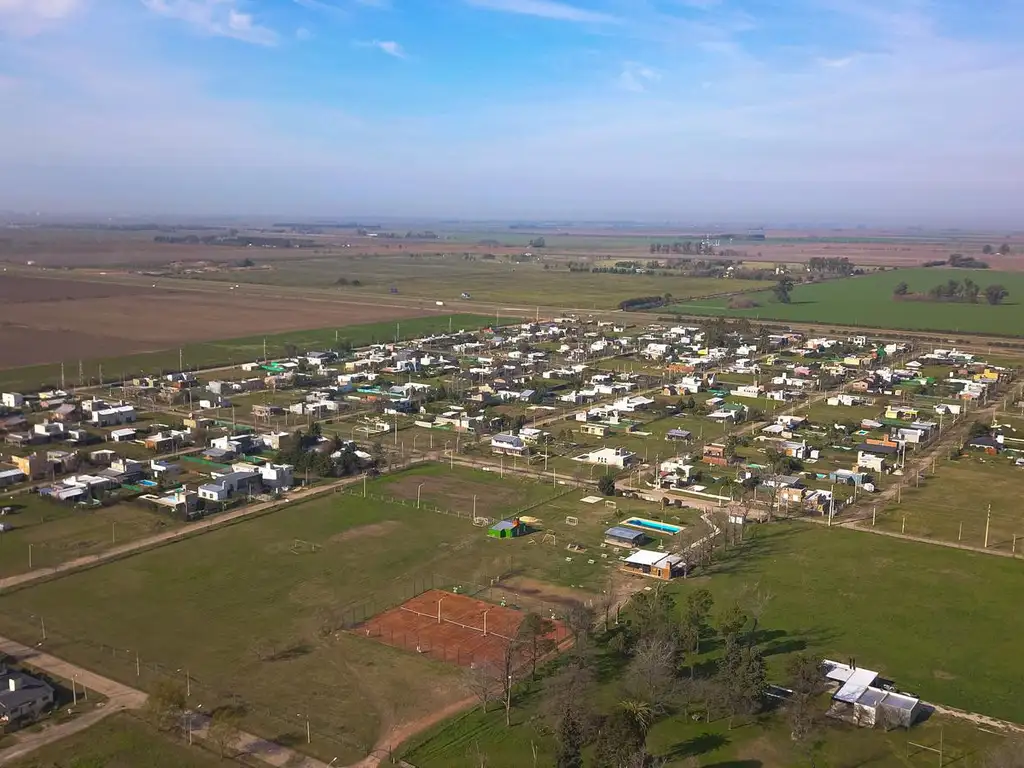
868 301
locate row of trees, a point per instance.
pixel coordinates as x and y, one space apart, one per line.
307 451
967 292
1003 250
831 265
684 247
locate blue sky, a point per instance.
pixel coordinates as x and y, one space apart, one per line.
874 111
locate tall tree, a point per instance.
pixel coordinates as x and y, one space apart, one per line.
534 637
696 614
783 289
622 740
995 294
806 678
566 703
741 679
650 676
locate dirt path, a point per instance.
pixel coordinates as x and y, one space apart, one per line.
120 697
191 529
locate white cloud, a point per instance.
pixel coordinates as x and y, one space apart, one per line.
390 47
28 17
303 34
546 9
221 18
636 77
836 63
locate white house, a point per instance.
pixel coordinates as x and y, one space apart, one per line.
122 435
13 399
109 417
612 457
278 477
749 390
510 445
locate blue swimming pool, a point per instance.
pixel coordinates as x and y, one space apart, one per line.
652 525
148 483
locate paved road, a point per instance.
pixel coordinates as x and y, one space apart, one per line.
121 697
191 529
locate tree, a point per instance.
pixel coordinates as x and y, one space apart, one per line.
732 623
606 484
806 675
901 289
783 289
741 679
995 294
1004 249
378 453
579 619
695 615
979 429
534 637
223 728
987 250
654 613
621 742
167 701
650 674
484 681
731 444
566 704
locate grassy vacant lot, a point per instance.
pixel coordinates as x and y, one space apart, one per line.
523 285
247 617
119 741
868 302
936 620
234 351
59 532
961 492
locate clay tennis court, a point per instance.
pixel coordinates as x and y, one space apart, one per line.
459 637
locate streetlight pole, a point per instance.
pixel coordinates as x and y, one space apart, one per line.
418 489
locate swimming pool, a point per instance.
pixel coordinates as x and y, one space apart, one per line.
652 525
148 483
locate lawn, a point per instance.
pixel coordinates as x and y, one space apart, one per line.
963 491
868 302
235 351
119 741
58 532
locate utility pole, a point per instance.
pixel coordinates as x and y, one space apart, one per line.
988 521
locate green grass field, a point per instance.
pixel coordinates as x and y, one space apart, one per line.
960 493
59 532
833 592
234 351
119 741
868 302
248 617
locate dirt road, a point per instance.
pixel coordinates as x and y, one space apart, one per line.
119 697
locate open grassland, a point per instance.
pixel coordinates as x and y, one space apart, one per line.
446 279
263 603
46 533
893 605
231 351
868 302
954 503
119 741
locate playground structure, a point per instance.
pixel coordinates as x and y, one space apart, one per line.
451 627
300 547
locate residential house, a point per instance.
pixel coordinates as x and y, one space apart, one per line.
9 476
110 417
51 430
122 435
12 399
611 457
620 536
533 436
32 466
598 430
277 477
714 454
181 501
23 698
228 484
749 390
510 445
657 565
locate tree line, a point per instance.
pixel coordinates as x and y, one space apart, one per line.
686 246
965 292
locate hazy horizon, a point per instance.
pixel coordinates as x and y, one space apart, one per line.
834 113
